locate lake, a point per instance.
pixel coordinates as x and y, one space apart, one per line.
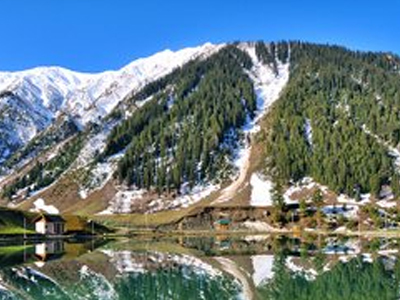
222 267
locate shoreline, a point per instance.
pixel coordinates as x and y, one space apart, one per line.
201 233
213 233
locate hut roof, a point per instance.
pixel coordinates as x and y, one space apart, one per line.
49 218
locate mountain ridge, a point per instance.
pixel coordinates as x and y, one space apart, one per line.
176 142
86 97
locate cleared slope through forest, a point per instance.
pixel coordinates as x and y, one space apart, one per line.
268 86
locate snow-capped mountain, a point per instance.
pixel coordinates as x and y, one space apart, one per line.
31 100
93 156
168 131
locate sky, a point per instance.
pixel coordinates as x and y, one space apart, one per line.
98 35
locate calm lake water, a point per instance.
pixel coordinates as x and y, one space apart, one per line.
251 267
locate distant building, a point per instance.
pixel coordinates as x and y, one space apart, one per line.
222 224
50 224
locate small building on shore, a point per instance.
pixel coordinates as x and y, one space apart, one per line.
50 225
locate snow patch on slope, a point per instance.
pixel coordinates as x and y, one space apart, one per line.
40 205
263 268
267 85
365 199
308 184
188 198
308 273
126 201
99 176
348 211
260 191
100 173
123 201
258 226
392 151
308 131
387 203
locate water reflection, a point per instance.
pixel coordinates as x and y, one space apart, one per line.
21 253
225 267
49 250
321 277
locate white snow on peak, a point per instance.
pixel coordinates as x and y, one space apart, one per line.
46 87
105 92
42 94
168 59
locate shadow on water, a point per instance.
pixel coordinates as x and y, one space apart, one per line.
222 267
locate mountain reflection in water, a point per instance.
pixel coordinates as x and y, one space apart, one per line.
250 267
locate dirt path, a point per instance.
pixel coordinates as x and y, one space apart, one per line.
232 268
229 192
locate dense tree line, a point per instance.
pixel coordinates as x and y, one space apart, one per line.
186 131
351 101
334 122
45 173
271 53
354 280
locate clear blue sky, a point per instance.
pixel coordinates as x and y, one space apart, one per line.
95 35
